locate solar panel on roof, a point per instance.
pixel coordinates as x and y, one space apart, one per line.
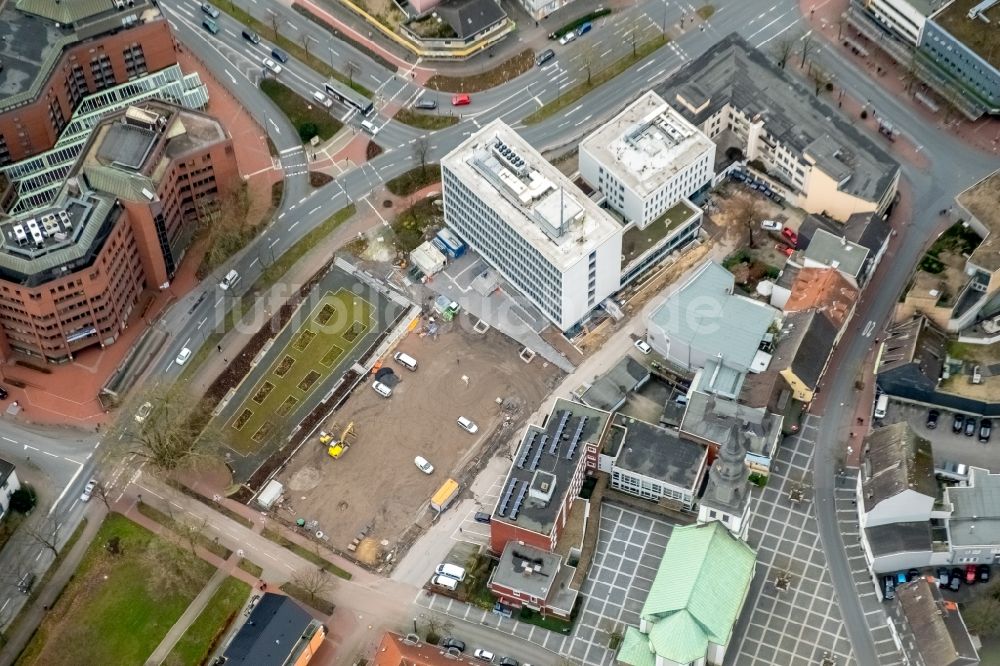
506 497
537 458
527 450
519 501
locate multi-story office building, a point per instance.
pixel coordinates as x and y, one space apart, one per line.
903 19
56 53
813 157
647 159
71 273
532 224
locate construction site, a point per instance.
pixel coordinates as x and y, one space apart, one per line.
356 481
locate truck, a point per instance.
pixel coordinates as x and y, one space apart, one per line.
445 495
446 307
449 243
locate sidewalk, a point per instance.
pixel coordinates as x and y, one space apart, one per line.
31 616
185 621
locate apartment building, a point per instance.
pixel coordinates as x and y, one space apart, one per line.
56 53
532 224
647 159
72 272
801 148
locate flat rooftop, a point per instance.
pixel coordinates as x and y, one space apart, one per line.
34 33
975 516
982 200
647 144
527 569
544 464
734 73
658 453
636 242
976 33
536 199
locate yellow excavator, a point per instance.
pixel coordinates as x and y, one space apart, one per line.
338 446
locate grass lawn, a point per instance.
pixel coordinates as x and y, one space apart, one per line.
309 118
183 529
635 241
429 121
196 643
573 95
312 600
551 623
414 179
705 12
509 69
410 226
306 554
117 608
331 330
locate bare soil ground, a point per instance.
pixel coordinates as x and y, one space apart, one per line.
376 482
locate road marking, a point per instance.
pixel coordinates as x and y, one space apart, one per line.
231 77
8 439
313 210
217 303
646 65
293 149
273 243
274 125
574 109
252 263
293 225
202 322
869 329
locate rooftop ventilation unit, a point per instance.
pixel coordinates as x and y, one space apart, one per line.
509 157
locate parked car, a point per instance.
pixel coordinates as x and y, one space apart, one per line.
210 10
943 577
643 346
426 103
143 413
888 588
791 236
483 655
957 423
461 99
901 578
482 517
508 661
771 225
786 250
912 574
467 425
183 356
970 426
3 393
983 572
423 465
271 65
585 28
450 643
381 389
985 430
970 574
88 490
932 419
568 37
955 581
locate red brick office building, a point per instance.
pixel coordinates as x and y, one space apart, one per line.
71 274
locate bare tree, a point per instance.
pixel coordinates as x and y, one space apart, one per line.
191 531
908 72
314 582
306 41
102 493
807 43
633 37
420 149
746 209
177 431
437 626
588 61
45 533
819 78
275 22
783 51
982 616
351 69
841 22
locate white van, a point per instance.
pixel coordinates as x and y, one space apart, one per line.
451 571
369 127
882 406
445 582
382 389
406 361
232 278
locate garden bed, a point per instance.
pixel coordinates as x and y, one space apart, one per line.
507 70
414 180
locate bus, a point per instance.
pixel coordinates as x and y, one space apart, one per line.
349 96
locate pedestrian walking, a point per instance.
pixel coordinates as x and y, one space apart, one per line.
219 347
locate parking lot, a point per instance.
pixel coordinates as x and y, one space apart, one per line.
375 484
946 444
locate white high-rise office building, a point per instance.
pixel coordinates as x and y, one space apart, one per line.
532 224
647 159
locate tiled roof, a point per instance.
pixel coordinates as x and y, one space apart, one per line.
824 289
896 459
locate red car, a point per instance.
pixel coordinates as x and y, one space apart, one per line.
970 574
461 100
784 249
791 236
